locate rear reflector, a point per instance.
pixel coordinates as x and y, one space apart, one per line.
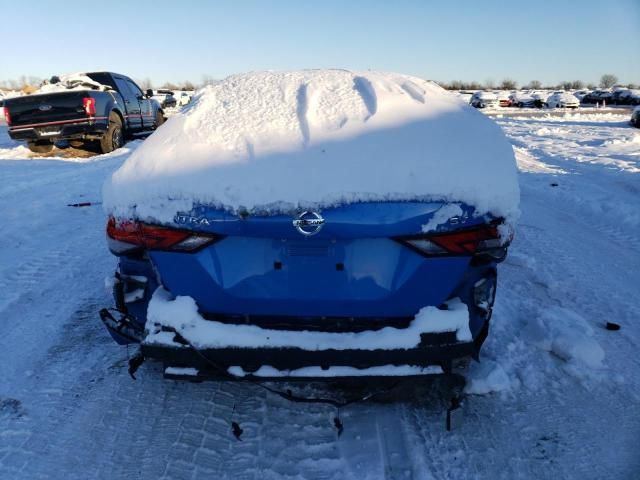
89 105
472 241
128 235
7 115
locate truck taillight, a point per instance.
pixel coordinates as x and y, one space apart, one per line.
127 235
89 105
7 115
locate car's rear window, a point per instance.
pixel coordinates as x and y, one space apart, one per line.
102 78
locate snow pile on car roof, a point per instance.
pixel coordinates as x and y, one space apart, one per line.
71 81
276 141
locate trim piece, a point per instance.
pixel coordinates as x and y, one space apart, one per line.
59 122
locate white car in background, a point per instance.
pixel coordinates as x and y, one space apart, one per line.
165 98
183 98
464 96
484 100
563 100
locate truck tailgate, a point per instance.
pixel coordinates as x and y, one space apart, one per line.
59 107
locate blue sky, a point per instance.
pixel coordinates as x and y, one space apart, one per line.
184 40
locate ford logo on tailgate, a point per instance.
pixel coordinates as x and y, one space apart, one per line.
308 223
44 108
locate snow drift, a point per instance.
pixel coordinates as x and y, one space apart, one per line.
278 141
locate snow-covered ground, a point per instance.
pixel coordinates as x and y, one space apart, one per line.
556 395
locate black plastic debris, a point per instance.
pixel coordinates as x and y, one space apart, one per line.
236 430
134 364
612 326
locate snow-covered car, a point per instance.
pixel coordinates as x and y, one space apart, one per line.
522 99
484 99
625 97
266 233
562 100
600 97
635 117
540 99
579 94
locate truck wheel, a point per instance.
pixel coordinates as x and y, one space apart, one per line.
44 147
159 119
113 138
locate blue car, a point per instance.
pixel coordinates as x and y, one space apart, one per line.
345 270
354 253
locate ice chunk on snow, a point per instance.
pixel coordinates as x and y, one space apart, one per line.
317 138
182 314
186 371
486 377
567 335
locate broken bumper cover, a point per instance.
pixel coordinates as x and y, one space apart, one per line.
437 350
179 336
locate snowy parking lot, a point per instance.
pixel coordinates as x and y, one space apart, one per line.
556 395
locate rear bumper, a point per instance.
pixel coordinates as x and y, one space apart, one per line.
81 128
432 342
438 350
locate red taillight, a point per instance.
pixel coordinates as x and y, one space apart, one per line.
127 235
89 105
7 115
467 242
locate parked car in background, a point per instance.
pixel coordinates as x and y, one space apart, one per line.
597 97
504 99
634 97
635 117
183 98
579 94
540 99
104 107
562 100
483 99
464 96
618 96
625 97
165 98
522 99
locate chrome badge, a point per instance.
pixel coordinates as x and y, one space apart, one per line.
308 223
44 108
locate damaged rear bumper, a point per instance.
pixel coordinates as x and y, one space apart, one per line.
435 354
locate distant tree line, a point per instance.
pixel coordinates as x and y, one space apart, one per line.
30 83
606 81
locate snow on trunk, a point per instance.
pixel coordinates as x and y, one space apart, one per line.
317 138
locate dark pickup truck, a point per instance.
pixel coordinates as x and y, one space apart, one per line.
100 106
